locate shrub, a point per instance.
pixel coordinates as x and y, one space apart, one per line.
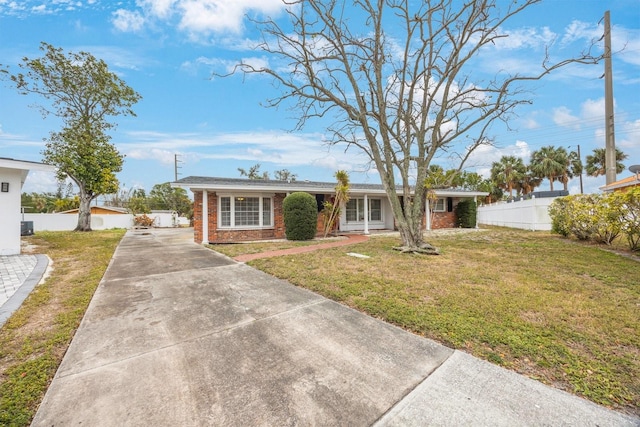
630 208
466 213
300 212
559 213
599 217
143 220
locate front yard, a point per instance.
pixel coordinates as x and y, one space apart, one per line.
562 312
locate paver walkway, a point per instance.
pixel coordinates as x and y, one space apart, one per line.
351 239
19 274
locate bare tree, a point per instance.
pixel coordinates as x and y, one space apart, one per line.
404 90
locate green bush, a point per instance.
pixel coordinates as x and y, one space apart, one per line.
466 213
630 201
559 213
300 212
598 217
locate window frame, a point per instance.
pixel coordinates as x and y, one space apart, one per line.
359 215
261 214
444 205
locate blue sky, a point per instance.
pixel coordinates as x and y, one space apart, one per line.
167 50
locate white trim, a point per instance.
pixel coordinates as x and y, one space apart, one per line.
232 197
366 214
205 217
444 205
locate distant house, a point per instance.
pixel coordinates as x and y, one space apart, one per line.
100 210
13 174
622 185
230 210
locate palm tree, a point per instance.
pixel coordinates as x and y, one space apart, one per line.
549 162
573 167
507 172
528 182
596 163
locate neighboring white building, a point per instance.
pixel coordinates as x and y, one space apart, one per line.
13 173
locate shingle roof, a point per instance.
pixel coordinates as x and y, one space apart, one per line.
231 184
630 181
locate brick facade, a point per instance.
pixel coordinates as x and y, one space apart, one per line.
215 235
443 220
197 216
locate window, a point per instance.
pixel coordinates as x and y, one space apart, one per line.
375 210
245 212
440 205
355 210
266 211
225 211
352 210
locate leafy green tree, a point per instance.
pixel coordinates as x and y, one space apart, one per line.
470 181
596 162
437 177
507 172
402 83
138 202
549 162
83 93
254 172
285 175
165 197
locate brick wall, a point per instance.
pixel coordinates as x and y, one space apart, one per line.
443 220
197 216
217 235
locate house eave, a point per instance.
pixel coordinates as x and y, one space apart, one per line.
255 186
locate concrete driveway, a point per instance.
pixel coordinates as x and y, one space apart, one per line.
178 335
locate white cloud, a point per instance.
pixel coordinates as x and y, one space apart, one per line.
164 157
593 109
127 21
282 148
198 18
527 37
162 9
40 182
562 117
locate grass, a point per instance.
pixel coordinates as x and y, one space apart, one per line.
558 311
34 340
235 249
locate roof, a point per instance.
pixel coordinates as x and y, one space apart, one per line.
235 184
114 209
631 181
9 163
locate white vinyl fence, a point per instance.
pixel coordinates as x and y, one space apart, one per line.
532 214
66 222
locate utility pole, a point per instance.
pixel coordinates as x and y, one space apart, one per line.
610 143
175 166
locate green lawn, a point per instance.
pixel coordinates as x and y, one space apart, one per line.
34 340
565 313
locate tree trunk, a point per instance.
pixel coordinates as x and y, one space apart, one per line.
84 212
409 223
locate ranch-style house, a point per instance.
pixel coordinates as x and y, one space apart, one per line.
228 210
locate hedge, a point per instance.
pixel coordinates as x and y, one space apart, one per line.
599 217
300 212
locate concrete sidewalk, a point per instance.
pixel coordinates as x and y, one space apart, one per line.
177 335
